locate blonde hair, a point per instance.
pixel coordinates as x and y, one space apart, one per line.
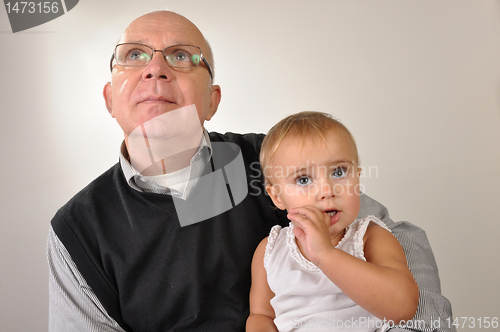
308 124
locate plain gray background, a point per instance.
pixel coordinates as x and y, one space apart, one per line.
416 81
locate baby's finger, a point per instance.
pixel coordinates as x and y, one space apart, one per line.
299 233
309 212
300 220
308 225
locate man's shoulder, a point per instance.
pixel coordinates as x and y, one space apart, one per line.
243 140
249 144
98 188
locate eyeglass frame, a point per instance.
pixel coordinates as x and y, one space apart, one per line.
205 61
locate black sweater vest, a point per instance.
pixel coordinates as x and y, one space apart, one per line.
150 273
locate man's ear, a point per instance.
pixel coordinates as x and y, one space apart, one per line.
215 96
273 192
107 93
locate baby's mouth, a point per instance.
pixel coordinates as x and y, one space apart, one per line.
333 216
331 213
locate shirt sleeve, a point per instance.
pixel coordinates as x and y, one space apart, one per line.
434 310
73 306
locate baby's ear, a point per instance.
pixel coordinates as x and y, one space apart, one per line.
274 192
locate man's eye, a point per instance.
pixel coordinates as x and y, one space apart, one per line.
137 55
182 56
339 172
303 180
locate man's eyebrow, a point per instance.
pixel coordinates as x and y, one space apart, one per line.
175 42
137 41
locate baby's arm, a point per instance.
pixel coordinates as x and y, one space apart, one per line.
261 312
383 285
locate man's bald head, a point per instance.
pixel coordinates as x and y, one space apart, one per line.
137 94
175 20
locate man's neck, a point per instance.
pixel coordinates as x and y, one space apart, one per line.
146 160
170 164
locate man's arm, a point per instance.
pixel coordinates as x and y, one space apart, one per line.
433 308
73 306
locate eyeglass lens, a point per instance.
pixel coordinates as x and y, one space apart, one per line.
137 55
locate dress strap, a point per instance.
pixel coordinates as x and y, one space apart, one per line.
352 243
271 241
295 251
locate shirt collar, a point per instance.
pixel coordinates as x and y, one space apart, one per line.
141 183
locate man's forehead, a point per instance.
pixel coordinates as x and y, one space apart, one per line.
166 26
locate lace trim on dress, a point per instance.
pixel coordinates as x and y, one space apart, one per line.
347 235
354 234
295 252
359 246
271 241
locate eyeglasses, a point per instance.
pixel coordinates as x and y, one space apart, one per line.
139 55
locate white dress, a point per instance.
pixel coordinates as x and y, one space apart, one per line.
305 299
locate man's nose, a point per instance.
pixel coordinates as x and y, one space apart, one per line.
158 68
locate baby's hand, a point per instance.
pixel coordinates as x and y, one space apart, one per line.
311 230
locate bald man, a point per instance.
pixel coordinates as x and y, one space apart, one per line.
163 240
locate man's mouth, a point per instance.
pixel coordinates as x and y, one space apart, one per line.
156 100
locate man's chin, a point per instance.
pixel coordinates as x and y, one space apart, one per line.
153 109
167 121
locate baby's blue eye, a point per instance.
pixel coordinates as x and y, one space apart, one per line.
303 180
339 172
